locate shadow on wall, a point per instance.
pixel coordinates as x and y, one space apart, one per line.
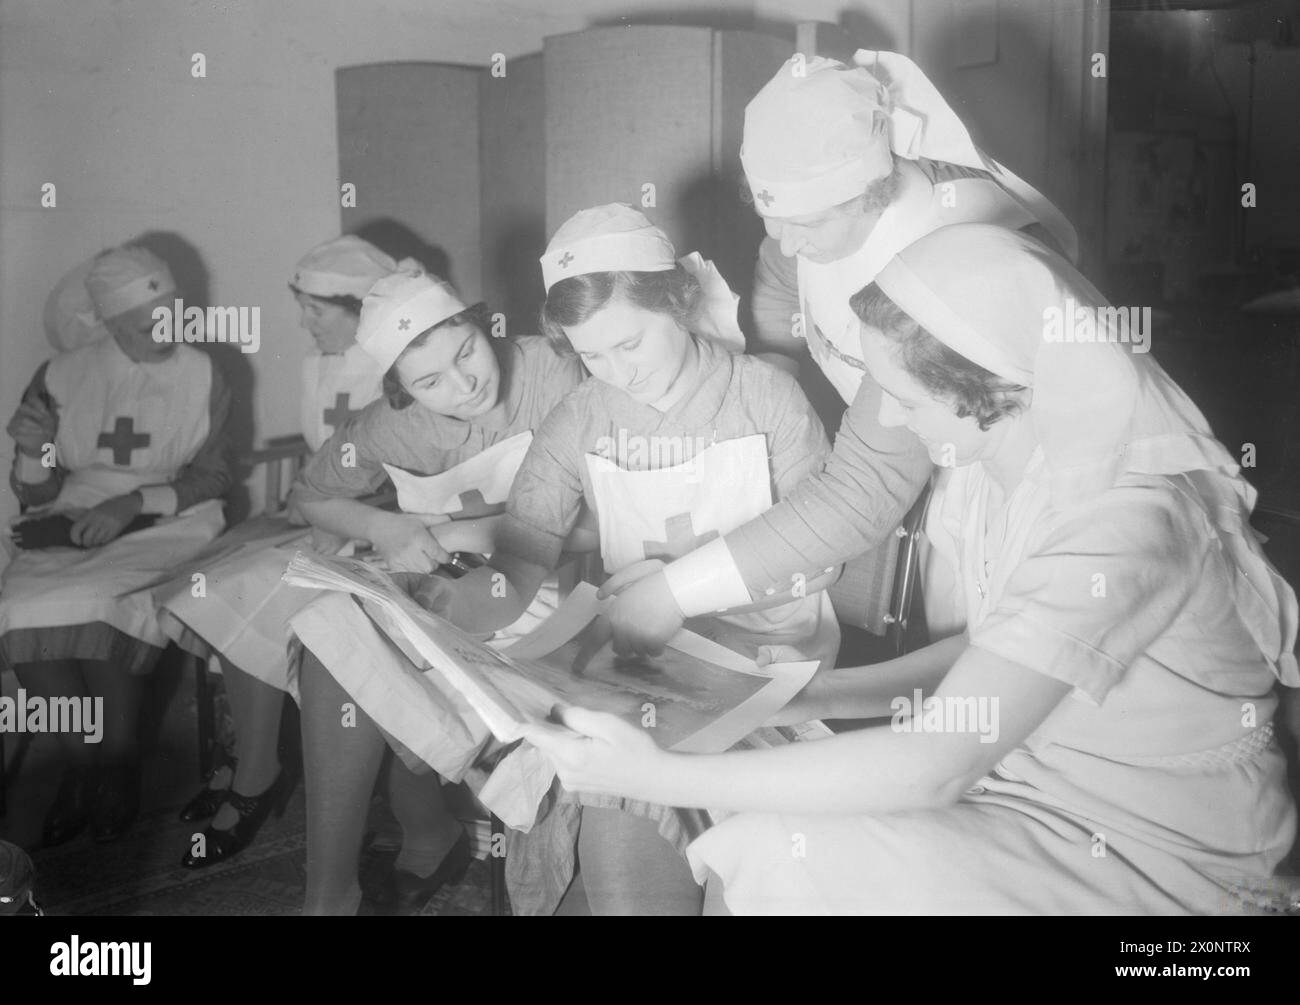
192 282
398 240
513 260
723 227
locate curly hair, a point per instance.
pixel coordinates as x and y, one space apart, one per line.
475 317
572 301
946 374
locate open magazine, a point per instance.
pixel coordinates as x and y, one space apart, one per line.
697 696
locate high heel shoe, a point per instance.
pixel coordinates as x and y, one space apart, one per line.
219 845
69 815
204 806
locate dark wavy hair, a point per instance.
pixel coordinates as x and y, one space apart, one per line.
476 316
350 304
942 371
572 301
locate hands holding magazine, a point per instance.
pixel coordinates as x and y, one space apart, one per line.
621 715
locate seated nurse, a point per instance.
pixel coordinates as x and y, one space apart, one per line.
456 419
1101 739
242 614
676 439
122 427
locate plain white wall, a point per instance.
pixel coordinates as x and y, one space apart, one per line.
97 97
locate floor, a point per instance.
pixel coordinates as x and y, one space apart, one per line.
140 874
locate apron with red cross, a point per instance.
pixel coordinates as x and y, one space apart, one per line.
122 425
379 675
669 512
335 387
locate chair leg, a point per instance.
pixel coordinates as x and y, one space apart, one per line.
206 715
497 865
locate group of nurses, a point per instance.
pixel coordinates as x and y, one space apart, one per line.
915 270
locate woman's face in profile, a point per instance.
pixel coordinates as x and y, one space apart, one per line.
952 441
334 328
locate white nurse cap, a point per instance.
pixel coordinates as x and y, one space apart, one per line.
346 266
610 238
398 308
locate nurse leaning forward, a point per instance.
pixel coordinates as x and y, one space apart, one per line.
847 166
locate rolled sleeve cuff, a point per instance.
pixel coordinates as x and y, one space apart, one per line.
159 500
1020 639
707 581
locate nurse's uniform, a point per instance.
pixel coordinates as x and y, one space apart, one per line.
157 427
659 483
1157 785
242 608
816 139
443 469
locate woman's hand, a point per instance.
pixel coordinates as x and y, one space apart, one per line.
432 592
813 702
643 615
32 426
600 753
405 543
104 522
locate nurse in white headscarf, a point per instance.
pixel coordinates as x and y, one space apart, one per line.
111 430
847 165
1101 739
339 379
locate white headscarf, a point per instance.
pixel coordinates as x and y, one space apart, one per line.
344 266
617 238
818 133
1099 409
69 317
125 278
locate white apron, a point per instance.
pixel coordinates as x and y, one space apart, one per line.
335 387
664 514
672 511
122 425
243 608
418 717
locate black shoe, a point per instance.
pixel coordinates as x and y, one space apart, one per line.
117 800
406 893
205 805
219 845
70 812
